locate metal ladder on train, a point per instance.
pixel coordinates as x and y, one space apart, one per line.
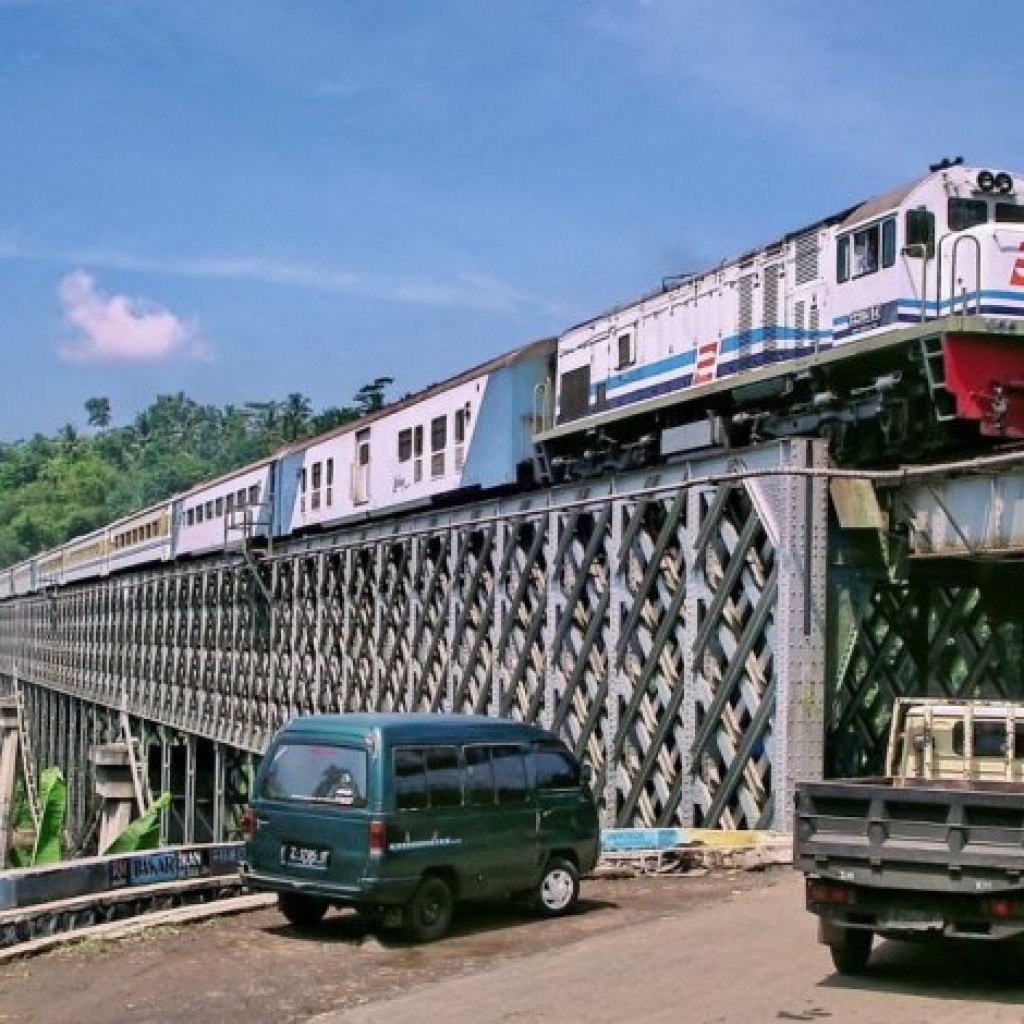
931 356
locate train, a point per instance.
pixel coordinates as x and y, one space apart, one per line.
893 327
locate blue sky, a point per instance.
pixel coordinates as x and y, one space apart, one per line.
243 198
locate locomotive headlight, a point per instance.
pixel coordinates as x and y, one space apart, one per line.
986 181
1003 183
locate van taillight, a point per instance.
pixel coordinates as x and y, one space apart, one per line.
248 822
378 840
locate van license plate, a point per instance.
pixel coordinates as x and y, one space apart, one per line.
295 856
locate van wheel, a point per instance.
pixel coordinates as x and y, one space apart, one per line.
850 954
428 915
301 911
559 888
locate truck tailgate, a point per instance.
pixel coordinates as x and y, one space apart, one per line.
932 836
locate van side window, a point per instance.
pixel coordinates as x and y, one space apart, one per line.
410 779
427 777
479 776
444 778
509 774
556 768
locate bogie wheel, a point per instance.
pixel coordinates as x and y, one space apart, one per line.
301 911
850 955
559 888
428 915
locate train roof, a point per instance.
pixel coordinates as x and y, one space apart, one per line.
855 214
531 349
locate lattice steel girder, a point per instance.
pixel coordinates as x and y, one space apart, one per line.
667 624
964 515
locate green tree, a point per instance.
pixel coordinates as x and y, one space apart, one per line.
295 416
98 411
370 397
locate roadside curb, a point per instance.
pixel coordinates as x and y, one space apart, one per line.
143 922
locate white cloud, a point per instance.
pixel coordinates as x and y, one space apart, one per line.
120 329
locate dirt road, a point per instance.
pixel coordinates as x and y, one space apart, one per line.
255 969
725 948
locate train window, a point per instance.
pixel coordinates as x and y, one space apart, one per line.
220 507
1009 213
461 415
240 498
317 474
626 355
920 233
438 433
229 504
417 441
405 445
199 514
866 245
190 517
843 259
966 213
889 242
209 509
254 494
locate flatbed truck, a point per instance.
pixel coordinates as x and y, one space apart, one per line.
934 849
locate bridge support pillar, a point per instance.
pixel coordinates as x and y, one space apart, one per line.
115 786
8 765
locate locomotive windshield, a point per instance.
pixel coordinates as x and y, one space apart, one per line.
968 213
1009 213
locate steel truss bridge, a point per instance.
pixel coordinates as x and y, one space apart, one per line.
704 633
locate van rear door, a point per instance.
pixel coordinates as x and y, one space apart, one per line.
312 817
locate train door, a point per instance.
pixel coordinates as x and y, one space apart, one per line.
574 394
361 469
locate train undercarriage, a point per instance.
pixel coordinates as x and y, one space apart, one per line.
911 396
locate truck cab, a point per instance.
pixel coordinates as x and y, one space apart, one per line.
946 740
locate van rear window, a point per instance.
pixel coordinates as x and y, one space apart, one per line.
320 773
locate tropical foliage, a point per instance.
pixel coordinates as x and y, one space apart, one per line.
46 847
56 488
144 832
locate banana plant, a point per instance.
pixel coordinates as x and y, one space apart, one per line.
144 832
53 806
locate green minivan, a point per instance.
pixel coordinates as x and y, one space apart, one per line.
403 815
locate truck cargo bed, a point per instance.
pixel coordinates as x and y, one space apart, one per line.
946 836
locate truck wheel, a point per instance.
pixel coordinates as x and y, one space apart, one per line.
428 915
301 911
559 888
850 954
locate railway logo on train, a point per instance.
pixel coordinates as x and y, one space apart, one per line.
893 326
